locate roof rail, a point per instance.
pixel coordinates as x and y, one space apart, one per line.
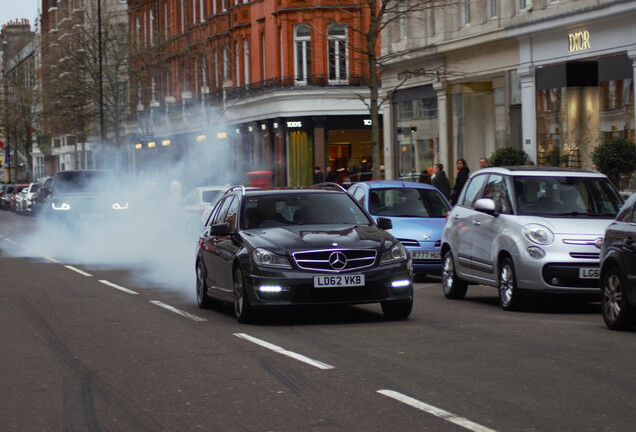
329 185
232 188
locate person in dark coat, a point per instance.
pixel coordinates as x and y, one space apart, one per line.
331 175
318 177
460 179
440 180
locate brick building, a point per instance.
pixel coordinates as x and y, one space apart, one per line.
232 87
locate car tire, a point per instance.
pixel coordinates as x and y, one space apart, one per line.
243 310
617 312
509 293
397 310
454 288
203 300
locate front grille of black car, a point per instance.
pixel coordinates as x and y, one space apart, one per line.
319 260
371 292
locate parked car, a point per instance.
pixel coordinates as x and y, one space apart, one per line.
5 201
12 196
84 195
418 215
3 186
300 247
618 269
528 228
196 202
39 196
25 198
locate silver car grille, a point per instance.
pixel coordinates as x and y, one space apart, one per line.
335 260
586 255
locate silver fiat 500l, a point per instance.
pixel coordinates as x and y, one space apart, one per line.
528 228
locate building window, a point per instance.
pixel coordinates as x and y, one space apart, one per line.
246 60
302 65
263 57
226 63
522 5
402 20
152 27
466 12
338 58
491 6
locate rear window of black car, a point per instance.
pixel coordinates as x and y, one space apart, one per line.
302 209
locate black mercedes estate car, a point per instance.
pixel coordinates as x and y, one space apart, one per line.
303 246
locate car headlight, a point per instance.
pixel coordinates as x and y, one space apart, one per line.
60 206
265 258
118 206
538 234
397 253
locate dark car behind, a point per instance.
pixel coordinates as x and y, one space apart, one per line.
618 269
83 195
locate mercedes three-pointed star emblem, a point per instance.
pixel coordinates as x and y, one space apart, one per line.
337 260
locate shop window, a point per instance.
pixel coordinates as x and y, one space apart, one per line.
338 55
302 64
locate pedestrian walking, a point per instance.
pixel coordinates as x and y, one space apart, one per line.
460 179
440 180
318 177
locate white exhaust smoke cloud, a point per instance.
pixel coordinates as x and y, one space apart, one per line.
155 239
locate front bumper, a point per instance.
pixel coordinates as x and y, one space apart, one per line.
298 287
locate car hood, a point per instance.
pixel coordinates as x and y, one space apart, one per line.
580 226
288 239
420 229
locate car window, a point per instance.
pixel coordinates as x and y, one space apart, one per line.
472 190
220 215
407 202
358 195
566 196
209 196
496 190
230 216
191 198
261 211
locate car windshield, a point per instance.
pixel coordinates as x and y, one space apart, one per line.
262 211
84 182
566 196
208 196
407 202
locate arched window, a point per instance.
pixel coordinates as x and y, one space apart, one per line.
338 53
302 65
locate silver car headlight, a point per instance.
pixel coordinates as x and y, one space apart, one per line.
538 234
397 253
265 258
60 206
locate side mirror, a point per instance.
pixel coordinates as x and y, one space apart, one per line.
44 192
485 205
221 229
384 223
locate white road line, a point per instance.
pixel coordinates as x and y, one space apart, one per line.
438 412
177 311
50 259
120 288
10 241
78 271
275 348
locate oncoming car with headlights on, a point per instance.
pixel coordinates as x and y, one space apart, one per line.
84 196
310 246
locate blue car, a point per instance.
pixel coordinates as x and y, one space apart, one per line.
418 212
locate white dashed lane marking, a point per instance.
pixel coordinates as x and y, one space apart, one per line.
177 311
120 288
276 348
437 412
75 269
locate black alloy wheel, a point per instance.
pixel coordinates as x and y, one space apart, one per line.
203 300
242 308
617 312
